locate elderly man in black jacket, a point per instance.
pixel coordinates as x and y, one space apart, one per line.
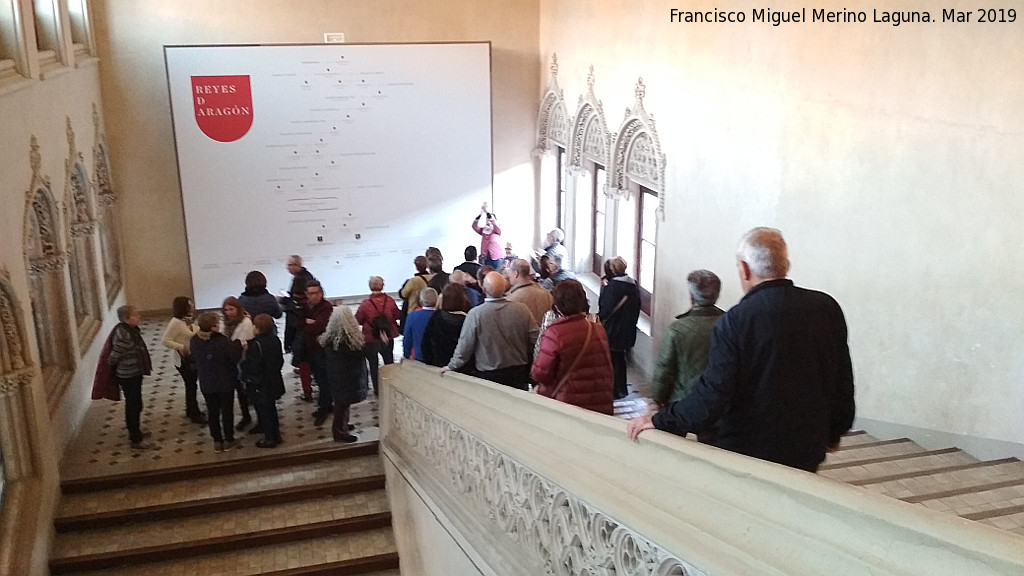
779 377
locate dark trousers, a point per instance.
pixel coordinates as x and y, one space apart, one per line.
191 378
266 411
514 376
132 390
386 351
219 405
243 403
339 426
619 373
318 366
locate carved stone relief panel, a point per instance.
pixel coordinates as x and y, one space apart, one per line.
540 520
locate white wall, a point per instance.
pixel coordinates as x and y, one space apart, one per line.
889 157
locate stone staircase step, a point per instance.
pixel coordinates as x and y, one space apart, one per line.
982 504
854 437
871 452
368 553
187 489
844 446
246 542
919 488
220 468
888 458
206 506
932 461
965 490
865 478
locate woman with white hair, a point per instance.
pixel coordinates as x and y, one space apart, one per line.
343 343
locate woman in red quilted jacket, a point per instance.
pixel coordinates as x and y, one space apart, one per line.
573 364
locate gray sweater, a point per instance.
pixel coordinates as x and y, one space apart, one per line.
497 334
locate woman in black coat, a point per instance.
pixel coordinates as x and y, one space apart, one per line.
261 372
441 335
619 309
346 368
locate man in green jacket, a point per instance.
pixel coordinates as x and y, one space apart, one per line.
687 345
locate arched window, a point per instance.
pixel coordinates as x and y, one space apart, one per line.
637 179
45 262
552 143
589 155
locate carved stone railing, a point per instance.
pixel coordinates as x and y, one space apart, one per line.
525 485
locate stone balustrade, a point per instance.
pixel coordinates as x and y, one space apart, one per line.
484 479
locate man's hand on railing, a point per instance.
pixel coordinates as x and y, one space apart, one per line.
638 425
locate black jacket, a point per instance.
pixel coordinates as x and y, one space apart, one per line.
346 374
261 367
779 377
441 336
620 324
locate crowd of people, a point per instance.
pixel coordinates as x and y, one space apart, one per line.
771 378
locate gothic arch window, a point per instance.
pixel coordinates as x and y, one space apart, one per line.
16 373
637 180
552 143
589 155
80 220
45 261
105 200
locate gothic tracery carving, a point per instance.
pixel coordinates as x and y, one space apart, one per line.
637 152
105 200
545 521
590 130
13 351
553 117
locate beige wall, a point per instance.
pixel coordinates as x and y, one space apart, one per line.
41 109
131 35
889 157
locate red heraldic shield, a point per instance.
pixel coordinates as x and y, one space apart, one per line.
223 106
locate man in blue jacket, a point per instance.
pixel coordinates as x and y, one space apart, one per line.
779 380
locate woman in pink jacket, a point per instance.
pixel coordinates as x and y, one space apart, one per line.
491 251
573 364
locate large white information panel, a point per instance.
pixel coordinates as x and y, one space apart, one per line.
356 157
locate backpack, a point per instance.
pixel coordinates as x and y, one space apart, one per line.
381 326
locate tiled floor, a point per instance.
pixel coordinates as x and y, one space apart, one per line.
101 445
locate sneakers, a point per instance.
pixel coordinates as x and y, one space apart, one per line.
266 444
142 445
218 446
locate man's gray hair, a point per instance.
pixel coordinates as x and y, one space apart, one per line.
521 266
428 297
124 312
704 287
297 258
764 251
376 283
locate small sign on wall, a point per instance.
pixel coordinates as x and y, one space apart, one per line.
334 37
